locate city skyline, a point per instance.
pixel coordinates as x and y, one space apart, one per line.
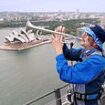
52 5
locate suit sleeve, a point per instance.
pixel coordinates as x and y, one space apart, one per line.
82 72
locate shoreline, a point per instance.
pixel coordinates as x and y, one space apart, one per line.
19 47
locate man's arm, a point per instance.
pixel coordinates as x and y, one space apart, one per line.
82 72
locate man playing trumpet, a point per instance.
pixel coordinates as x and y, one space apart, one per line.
87 75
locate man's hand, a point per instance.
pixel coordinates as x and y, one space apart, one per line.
57 40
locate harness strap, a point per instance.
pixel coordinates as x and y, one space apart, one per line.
88 97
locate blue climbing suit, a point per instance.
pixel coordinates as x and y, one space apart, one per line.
88 75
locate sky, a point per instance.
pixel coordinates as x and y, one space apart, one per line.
52 5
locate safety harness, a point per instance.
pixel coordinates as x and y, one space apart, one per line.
85 97
88 97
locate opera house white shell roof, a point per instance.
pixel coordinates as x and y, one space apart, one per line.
21 36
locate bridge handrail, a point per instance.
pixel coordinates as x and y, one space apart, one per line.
47 94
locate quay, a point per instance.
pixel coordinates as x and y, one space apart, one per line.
23 46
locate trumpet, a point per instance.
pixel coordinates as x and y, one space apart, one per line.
29 25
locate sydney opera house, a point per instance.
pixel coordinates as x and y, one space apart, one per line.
22 36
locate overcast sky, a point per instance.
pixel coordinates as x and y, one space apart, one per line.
52 5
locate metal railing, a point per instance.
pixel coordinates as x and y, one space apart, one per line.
55 97
58 97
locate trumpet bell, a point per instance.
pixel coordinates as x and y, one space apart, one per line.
29 26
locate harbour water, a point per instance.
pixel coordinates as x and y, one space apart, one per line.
27 74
